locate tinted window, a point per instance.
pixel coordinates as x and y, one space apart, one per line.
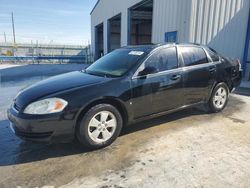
164 59
193 55
116 63
213 55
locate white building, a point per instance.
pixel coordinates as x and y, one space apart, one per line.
221 24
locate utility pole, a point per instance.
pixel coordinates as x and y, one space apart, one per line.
5 38
13 28
32 50
88 53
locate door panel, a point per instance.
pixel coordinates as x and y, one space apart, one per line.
159 91
167 91
198 81
141 97
198 76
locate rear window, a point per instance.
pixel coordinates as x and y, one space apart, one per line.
193 55
213 55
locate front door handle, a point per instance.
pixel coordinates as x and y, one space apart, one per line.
176 77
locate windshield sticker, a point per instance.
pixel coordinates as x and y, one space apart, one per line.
139 53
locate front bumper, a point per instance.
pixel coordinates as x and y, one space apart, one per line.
46 128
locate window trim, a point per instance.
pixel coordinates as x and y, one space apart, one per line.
135 75
201 65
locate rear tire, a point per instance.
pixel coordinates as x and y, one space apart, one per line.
219 98
100 126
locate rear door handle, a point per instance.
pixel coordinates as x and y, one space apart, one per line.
176 77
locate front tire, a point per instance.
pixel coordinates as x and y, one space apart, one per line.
219 98
100 126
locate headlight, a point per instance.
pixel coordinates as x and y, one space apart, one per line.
46 106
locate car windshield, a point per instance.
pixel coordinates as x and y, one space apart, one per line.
116 63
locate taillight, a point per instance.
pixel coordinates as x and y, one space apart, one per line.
238 63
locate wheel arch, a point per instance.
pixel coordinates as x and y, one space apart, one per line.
105 100
212 107
227 81
225 77
220 81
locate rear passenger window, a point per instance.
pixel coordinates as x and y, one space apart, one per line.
164 59
193 55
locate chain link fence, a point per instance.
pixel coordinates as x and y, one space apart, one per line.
35 53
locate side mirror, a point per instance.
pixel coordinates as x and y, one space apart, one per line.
146 71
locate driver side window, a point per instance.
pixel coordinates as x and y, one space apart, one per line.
163 60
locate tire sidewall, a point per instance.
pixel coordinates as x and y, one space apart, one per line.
211 104
82 132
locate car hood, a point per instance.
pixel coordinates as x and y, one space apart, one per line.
55 84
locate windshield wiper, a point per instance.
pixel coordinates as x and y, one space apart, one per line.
96 73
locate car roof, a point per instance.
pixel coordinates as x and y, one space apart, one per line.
150 47
145 48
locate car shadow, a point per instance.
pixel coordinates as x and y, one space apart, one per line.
15 151
199 110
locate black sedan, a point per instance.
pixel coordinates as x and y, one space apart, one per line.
125 86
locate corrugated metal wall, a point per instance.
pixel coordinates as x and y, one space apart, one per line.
221 24
171 15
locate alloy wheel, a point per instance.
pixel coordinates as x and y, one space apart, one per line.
220 98
102 126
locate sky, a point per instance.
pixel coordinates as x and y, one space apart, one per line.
47 21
